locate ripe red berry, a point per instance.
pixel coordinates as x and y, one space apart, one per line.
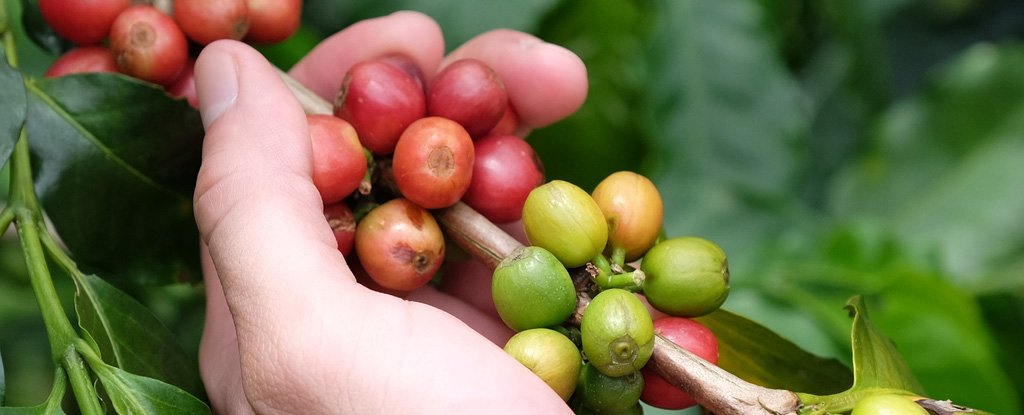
380 100
185 85
83 59
505 171
343 225
400 245
691 336
272 21
338 160
148 45
83 22
470 93
205 21
433 162
508 124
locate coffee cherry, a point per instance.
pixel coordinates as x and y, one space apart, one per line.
604 394
205 21
433 162
185 85
83 59
508 124
506 169
380 100
618 334
83 22
686 277
690 335
887 404
633 209
470 93
532 289
342 224
400 245
564 219
148 45
338 160
549 355
272 21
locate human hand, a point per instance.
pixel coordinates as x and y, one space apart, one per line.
288 328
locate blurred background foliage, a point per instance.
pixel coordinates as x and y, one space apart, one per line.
831 147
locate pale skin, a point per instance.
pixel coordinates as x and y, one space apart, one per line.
288 328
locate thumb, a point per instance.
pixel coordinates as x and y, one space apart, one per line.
255 204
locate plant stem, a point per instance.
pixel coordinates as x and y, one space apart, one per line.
469 229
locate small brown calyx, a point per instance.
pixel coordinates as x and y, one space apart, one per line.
142 35
441 161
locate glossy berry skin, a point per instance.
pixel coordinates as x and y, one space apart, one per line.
83 22
690 335
506 169
342 224
531 289
148 45
185 85
272 21
433 162
887 404
633 208
400 245
470 93
617 332
380 100
549 355
205 21
686 276
83 59
338 160
604 394
564 219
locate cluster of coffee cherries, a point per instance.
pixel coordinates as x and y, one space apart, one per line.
152 41
586 247
397 147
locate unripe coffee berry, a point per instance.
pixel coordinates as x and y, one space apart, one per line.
887 404
605 394
632 207
532 289
686 277
549 355
470 93
618 333
564 219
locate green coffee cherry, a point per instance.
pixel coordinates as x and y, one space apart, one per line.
686 277
618 333
549 355
564 219
532 289
887 404
608 395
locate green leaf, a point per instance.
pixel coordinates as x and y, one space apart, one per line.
116 166
40 32
759 355
3 381
133 394
876 361
728 118
51 406
130 336
12 94
944 174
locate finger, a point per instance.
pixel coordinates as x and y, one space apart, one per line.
487 325
545 82
219 364
470 281
255 183
411 34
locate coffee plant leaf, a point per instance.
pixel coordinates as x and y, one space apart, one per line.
116 161
51 406
760 356
132 394
877 363
128 335
12 118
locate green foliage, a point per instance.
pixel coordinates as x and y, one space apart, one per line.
138 395
116 162
12 94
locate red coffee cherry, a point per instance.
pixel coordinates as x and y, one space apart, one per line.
690 335
508 124
380 100
338 160
506 169
185 85
470 93
148 45
433 162
205 21
83 59
83 22
400 245
272 21
343 225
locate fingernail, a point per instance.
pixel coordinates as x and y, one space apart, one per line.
216 84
